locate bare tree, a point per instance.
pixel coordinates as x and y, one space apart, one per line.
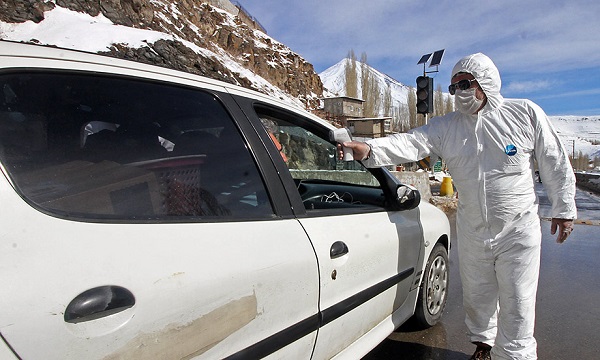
448 105
371 93
400 118
364 75
438 101
581 162
388 106
403 118
350 75
412 108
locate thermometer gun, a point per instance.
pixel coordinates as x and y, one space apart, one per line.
340 136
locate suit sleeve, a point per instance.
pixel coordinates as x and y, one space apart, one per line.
555 168
402 148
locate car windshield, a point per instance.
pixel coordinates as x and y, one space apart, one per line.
98 147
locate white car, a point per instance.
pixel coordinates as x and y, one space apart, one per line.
153 214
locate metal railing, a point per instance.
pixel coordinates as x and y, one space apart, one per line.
256 23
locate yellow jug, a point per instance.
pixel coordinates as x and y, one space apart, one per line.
446 187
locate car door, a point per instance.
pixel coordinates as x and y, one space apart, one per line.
127 233
368 257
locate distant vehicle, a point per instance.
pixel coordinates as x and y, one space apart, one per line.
150 213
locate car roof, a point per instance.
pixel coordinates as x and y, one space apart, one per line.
25 55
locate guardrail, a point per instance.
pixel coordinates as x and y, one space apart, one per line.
588 181
577 221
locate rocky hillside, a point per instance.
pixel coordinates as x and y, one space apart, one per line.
200 38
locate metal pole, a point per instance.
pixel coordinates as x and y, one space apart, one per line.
575 165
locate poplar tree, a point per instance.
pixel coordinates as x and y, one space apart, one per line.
350 75
438 101
449 104
388 106
412 108
399 116
371 93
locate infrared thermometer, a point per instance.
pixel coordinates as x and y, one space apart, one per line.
340 136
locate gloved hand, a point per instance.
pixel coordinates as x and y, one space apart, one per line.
564 226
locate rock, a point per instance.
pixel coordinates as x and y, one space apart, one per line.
174 55
200 24
18 11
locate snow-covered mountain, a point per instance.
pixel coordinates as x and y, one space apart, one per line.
334 82
582 132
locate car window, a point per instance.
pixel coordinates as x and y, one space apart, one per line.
98 147
322 180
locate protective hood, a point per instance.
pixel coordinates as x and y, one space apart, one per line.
486 74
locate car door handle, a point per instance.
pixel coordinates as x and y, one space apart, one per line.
98 302
338 248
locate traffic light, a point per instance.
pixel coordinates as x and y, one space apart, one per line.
424 95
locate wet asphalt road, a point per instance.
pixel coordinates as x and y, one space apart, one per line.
568 305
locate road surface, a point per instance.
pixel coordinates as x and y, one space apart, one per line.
568 313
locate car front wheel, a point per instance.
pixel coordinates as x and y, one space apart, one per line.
434 288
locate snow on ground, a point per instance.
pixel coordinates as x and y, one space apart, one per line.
584 131
84 32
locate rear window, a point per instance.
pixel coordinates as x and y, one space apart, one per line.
96 147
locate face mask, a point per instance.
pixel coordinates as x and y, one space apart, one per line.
466 102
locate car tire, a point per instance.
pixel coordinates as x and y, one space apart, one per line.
433 292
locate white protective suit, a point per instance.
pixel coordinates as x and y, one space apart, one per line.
491 156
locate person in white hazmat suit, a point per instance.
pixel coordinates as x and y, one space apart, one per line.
490 144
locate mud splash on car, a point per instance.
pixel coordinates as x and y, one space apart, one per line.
185 341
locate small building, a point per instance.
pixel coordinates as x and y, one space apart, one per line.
348 112
369 127
343 107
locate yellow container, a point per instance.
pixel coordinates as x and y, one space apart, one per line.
446 188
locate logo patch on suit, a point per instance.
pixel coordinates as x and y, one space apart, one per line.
510 150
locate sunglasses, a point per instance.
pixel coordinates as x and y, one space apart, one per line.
461 85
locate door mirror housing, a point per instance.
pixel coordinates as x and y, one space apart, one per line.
407 197
398 196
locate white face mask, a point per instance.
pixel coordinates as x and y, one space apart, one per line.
466 102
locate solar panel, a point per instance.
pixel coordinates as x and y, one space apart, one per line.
437 58
424 59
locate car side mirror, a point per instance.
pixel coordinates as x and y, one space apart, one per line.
398 196
407 197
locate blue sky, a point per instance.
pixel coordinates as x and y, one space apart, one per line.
546 51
